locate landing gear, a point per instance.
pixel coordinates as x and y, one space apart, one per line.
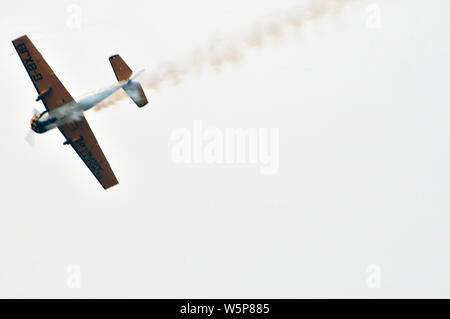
43 93
74 140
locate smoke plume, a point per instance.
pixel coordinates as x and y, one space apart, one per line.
219 52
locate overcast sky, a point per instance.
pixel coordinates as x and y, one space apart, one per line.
358 207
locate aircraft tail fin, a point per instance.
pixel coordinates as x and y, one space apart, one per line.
132 88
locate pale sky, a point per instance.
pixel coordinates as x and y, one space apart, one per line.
359 206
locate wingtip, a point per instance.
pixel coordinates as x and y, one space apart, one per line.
21 37
106 187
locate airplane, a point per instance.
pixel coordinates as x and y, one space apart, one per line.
63 112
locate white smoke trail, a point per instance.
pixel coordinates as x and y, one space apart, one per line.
219 52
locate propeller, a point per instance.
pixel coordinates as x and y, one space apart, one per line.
30 136
35 111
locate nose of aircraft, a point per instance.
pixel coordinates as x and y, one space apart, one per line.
34 123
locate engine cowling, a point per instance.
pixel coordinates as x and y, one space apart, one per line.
38 123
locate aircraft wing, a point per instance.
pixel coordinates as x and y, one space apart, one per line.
50 90
79 135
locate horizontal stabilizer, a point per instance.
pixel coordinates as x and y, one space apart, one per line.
121 69
136 93
132 88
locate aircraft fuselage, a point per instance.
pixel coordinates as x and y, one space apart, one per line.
72 111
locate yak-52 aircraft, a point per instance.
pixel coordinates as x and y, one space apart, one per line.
63 112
